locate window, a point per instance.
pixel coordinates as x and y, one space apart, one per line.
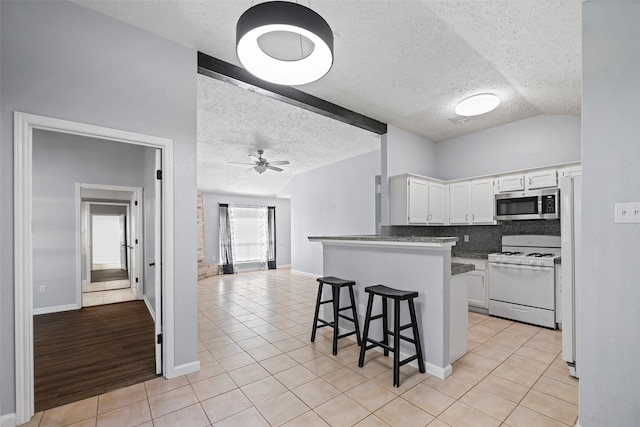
249 233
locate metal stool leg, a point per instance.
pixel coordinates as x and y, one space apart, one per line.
416 335
315 316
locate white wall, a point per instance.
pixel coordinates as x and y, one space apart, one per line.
59 162
530 143
610 347
331 200
65 61
212 218
407 152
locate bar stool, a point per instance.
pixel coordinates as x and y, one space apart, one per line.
336 285
396 295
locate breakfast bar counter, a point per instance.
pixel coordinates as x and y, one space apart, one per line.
420 264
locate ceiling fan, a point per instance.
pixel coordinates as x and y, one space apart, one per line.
261 164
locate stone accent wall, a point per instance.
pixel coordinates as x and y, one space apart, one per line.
204 269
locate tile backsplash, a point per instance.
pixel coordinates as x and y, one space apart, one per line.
481 237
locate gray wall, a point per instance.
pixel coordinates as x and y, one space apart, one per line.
331 200
530 143
610 347
407 152
62 60
212 218
60 161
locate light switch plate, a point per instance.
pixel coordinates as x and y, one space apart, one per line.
627 213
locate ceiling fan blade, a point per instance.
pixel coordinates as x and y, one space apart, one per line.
279 162
240 163
273 168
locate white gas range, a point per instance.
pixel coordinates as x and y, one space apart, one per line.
522 279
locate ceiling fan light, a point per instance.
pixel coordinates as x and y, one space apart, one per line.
260 169
477 104
289 17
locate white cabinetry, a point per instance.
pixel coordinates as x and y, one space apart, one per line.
541 179
459 203
510 183
436 206
477 282
416 201
570 171
409 201
528 181
482 202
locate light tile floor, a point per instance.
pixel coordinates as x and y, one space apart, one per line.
258 368
99 293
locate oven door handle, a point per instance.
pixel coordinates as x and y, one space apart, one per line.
520 266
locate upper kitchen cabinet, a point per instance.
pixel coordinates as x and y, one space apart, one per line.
570 171
471 202
416 201
482 201
528 181
409 200
436 208
459 203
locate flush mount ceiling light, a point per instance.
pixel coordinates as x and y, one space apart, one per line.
477 104
277 17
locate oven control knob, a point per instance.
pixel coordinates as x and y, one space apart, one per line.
515 261
541 263
532 262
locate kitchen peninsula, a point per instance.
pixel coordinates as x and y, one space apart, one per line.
420 264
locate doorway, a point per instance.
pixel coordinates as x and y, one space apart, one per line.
24 127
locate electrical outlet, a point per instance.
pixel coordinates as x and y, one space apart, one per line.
466 237
43 289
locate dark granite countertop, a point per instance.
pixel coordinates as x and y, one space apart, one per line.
459 268
471 254
379 238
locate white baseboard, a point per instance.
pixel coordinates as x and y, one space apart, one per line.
106 266
304 273
56 309
149 307
8 420
283 266
187 368
85 282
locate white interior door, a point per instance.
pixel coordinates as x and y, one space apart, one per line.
122 222
158 269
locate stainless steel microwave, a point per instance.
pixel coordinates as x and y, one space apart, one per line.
537 204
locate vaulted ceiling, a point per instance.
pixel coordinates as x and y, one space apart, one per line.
404 63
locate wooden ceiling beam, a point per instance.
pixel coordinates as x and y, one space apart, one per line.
238 76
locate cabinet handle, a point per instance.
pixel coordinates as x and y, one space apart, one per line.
530 180
473 217
466 217
482 279
521 182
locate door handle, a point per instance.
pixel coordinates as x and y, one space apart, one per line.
152 264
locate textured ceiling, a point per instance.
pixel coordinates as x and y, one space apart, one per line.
405 63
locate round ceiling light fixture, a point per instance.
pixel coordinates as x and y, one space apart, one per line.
477 104
283 16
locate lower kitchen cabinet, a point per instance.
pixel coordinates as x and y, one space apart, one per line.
477 283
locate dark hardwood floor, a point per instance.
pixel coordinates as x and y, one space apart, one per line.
83 353
108 275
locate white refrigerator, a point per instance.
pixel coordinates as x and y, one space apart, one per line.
571 251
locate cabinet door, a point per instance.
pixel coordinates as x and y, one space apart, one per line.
459 203
477 287
541 179
418 202
511 183
436 203
570 171
482 202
